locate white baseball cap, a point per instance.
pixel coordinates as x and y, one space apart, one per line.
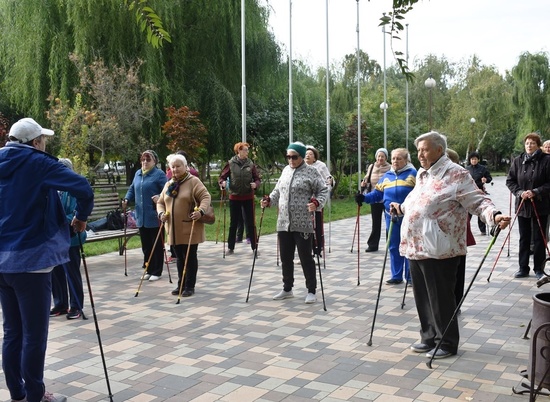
27 129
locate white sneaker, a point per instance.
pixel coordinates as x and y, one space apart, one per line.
283 295
145 277
153 278
310 298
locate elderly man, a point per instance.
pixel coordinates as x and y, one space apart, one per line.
34 238
433 238
299 192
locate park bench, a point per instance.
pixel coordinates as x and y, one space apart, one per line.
106 199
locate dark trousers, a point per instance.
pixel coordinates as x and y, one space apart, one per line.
288 243
376 211
236 209
192 266
433 288
480 224
25 300
148 236
240 228
319 240
68 274
530 227
460 278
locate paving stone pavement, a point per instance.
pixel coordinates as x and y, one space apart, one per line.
214 346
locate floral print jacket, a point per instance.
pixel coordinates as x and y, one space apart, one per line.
435 212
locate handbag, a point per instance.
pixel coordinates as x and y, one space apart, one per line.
209 217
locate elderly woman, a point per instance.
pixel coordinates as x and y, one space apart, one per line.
182 202
374 172
299 192
241 178
144 191
312 159
394 186
529 180
433 238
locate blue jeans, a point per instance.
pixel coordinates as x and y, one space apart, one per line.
25 300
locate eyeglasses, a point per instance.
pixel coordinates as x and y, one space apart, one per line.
146 159
293 157
244 149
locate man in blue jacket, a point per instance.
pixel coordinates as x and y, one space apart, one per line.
34 237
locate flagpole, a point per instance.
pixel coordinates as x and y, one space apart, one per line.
358 57
407 91
290 100
243 72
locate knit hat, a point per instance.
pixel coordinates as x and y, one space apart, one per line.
383 150
298 147
27 129
153 155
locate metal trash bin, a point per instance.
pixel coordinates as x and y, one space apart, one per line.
539 354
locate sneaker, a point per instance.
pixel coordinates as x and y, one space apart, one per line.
230 252
153 278
283 295
145 277
539 274
440 354
310 298
521 274
73 314
421 347
248 240
56 311
171 260
49 397
188 292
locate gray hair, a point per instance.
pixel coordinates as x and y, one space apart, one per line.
66 162
173 157
434 138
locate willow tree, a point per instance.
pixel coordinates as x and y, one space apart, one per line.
532 93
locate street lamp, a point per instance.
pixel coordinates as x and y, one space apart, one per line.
384 108
430 84
472 121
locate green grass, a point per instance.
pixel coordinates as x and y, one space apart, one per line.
341 209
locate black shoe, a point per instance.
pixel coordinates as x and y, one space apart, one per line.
421 347
521 274
176 292
188 292
539 274
370 250
394 281
56 311
73 314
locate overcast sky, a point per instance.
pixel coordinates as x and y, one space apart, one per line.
497 31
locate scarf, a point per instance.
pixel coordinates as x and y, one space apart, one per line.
174 186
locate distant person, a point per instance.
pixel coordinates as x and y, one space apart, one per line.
394 186
374 172
299 192
529 181
546 147
67 289
144 192
243 181
34 238
433 238
481 176
313 159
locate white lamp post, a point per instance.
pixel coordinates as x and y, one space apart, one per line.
384 109
472 148
430 84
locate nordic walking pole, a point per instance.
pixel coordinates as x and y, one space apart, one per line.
510 214
358 244
543 235
404 293
166 259
255 253
125 240
457 309
161 228
503 244
392 220
355 230
224 214
316 240
222 195
187 257
92 305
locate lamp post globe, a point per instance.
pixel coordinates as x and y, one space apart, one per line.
430 85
